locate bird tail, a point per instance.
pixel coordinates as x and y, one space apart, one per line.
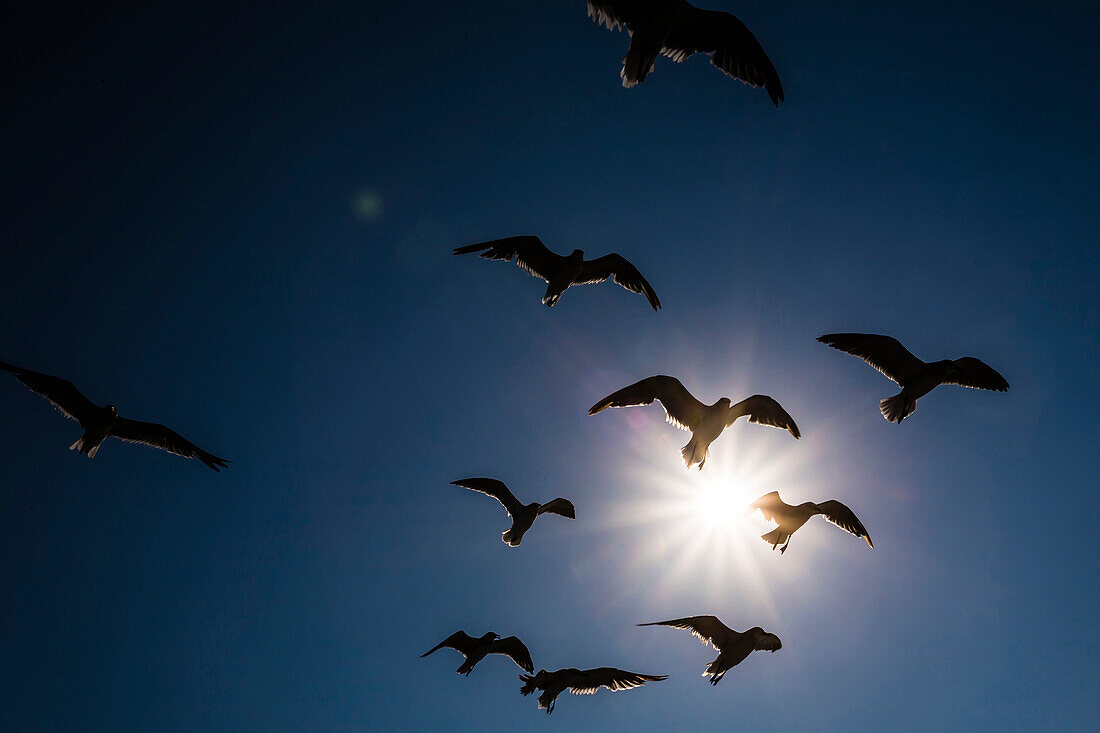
638 61
553 294
85 447
694 452
898 407
466 667
776 537
529 686
714 672
512 537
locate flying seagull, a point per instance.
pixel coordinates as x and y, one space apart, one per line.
100 423
790 518
705 422
733 646
562 272
581 682
477 649
915 377
678 29
523 516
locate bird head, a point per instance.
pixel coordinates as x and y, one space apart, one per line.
491 636
578 253
113 410
725 402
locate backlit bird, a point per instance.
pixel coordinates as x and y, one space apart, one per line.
732 646
523 515
915 377
477 649
706 422
560 272
678 29
100 423
580 682
790 518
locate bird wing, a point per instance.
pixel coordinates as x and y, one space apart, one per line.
62 393
882 352
769 504
971 372
845 518
587 681
460 641
513 648
708 628
158 436
681 409
528 251
561 506
493 488
763 410
768 643
622 271
614 13
733 47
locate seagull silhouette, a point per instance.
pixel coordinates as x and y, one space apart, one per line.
580 682
678 29
706 422
523 516
915 377
477 649
732 646
791 518
100 423
562 272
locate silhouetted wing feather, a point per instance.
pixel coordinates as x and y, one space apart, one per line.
977 374
763 410
528 251
460 641
681 408
733 47
614 13
564 507
845 518
590 680
158 436
707 628
769 504
513 648
622 271
60 392
493 488
884 353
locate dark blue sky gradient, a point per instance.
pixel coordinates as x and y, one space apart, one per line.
181 238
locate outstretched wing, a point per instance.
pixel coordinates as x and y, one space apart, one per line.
733 47
769 504
845 518
614 13
158 436
682 410
587 681
60 392
971 372
622 272
460 641
884 353
708 628
512 647
561 506
493 488
528 251
763 410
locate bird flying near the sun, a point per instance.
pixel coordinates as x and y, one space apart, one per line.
732 646
100 423
477 649
915 377
562 272
706 422
791 518
581 682
523 516
678 29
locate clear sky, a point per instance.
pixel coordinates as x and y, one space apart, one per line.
236 218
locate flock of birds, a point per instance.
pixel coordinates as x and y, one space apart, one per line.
676 29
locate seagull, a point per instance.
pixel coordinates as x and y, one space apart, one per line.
477 649
523 516
790 518
678 29
705 422
563 272
581 682
100 423
733 646
915 377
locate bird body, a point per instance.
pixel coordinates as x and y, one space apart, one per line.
733 646
97 428
706 422
790 518
476 649
523 515
580 682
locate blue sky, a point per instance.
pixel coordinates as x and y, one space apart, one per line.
182 238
